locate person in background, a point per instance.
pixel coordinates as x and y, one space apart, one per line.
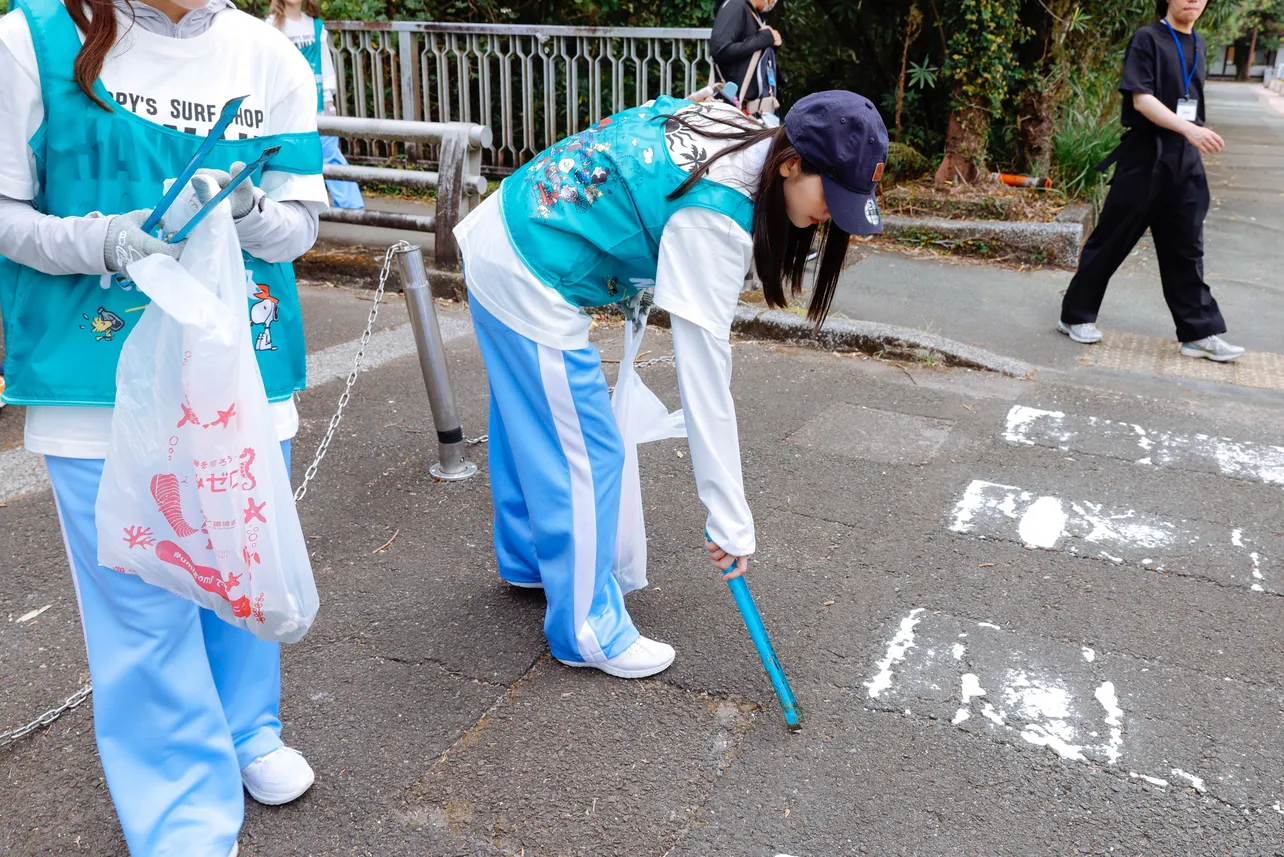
744 53
300 21
1159 183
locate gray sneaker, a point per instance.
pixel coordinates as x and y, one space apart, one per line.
1086 334
1212 348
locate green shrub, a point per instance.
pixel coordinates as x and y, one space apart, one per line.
906 162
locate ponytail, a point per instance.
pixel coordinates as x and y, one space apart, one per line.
97 20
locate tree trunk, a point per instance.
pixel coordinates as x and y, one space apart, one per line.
1243 60
1036 129
964 145
912 25
1252 52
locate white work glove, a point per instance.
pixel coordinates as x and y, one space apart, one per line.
241 200
128 243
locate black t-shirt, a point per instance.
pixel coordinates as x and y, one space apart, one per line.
1153 65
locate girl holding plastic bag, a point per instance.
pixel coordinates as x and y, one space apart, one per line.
95 121
301 22
681 197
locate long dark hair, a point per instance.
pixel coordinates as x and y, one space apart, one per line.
97 20
780 248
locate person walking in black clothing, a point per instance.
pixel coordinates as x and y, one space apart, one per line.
1160 183
744 53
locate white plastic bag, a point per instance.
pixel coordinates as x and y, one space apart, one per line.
195 496
642 418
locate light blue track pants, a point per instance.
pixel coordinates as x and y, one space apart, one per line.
342 194
555 462
182 700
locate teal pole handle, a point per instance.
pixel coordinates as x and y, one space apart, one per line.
758 633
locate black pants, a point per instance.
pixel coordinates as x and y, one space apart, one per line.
1173 201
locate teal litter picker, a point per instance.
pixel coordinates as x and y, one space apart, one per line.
758 633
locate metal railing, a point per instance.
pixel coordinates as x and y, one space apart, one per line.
533 85
457 180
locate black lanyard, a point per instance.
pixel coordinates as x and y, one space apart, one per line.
1181 54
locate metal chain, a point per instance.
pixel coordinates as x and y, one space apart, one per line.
668 358
324 446
7 738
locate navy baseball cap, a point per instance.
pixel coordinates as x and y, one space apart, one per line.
841 134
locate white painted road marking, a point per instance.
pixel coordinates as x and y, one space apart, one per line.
1027 690
1050 701
896 649
1164 725
24 473
1256 462
1085 528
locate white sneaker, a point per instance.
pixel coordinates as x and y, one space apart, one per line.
643 658
1212 348
1086 334
236 849
279 777
538 584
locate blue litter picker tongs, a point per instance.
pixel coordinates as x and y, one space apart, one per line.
250 169
758 633
226 117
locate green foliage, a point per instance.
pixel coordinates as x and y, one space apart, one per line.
981 60
4 7
1036 78
922 75
906 162
1081 144
1088 131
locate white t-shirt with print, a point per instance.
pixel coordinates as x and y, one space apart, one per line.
181 84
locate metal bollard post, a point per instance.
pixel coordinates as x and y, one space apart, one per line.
452 467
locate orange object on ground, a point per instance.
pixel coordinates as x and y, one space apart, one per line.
1020 181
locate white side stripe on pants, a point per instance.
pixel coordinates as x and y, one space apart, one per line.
561 402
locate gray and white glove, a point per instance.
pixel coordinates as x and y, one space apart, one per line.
241 200
127 242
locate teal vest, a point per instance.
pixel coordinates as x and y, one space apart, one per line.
586 215
63 334
312 53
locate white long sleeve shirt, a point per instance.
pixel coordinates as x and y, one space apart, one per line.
702 262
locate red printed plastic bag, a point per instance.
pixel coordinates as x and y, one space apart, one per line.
195 497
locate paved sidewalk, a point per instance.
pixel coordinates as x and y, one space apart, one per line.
1014 313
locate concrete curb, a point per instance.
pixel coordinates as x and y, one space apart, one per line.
841 334
359 266
1057 242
